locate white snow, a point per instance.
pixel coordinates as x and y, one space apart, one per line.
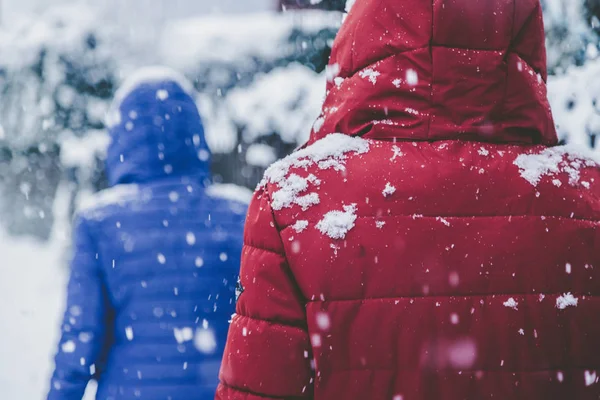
483 151
190 238
30 340
260 155
412 78
454 319
315 340
379 224
237 39
83 151
230 192
590 378
162 95
511 303
291 188
388 190
397 82
287 101
300 226
205 340
443 221
318 124
144 76
129 333
122 195
174 197
349 5
182 335
370 74
336 224
397 153
327 153
554 161
566 300
323 321
332 71
68 347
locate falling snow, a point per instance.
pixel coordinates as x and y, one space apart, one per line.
183 335
68 346
162 94
412 78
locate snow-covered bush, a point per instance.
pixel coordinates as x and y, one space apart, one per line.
570 35
59 71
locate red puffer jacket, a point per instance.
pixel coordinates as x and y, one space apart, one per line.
439 249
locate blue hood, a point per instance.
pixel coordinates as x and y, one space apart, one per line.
157 133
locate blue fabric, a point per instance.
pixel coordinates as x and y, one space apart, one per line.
155 264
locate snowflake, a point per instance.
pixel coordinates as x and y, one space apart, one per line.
389 190
370 74
397 153
443 221
565 301
300 226
511 303
483 151
162 95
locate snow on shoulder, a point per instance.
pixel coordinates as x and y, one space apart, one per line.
331 152
336 224
552 162
229 191
91 206
147 75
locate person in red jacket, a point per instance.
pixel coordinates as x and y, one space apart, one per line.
440 247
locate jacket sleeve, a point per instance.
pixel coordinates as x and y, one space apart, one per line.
85 319
268 353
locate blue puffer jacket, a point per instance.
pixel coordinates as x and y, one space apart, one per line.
156 260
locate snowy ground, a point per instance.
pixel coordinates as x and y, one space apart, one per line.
32 278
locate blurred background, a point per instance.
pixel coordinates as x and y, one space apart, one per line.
258 67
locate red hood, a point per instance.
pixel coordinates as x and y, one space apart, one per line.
440 69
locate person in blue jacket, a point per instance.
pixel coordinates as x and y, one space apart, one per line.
156 257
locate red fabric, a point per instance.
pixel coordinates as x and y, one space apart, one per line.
446 288
480 66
